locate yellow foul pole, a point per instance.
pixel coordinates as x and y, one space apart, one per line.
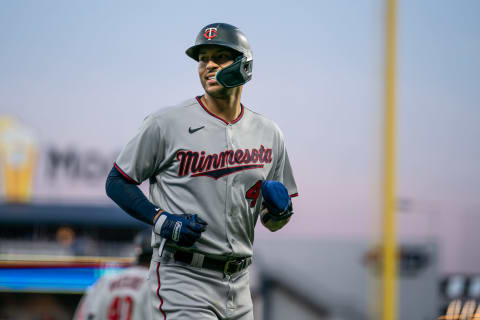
389 311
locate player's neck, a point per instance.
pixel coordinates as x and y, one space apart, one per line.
228 108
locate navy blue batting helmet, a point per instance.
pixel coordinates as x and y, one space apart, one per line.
226 35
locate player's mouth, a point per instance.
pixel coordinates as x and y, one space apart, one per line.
211 79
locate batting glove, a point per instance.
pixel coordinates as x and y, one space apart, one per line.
183 229
277 205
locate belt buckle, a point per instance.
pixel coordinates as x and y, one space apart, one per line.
238 266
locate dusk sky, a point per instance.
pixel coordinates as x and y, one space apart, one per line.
86 73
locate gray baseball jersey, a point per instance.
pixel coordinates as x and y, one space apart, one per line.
198 163
120 296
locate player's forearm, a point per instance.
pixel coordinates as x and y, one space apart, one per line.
129 197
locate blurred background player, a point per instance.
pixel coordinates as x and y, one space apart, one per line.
124 295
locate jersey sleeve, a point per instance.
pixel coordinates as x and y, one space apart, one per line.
141 157
80 310
283 169
93 301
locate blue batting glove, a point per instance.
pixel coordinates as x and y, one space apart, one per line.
183 229
276 199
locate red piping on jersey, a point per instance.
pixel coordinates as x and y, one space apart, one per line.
158 293
294 195
214 115
124 174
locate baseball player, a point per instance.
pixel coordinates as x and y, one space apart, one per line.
124 295
214 167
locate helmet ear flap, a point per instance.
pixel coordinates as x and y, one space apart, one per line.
236 74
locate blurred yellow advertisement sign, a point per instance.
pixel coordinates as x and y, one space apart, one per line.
18 154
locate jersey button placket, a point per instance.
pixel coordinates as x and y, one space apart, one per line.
229 181
229 136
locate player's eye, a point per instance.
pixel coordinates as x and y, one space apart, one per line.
223 57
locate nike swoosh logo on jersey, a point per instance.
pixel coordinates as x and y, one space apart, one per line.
195 130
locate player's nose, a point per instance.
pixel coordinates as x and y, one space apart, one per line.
211 64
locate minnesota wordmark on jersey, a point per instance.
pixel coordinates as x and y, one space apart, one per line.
217 165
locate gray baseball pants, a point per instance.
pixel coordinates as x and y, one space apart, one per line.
183 292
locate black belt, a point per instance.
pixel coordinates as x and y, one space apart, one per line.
227 267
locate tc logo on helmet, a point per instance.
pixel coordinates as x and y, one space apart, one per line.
210 33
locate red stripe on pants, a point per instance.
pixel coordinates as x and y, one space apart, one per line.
158 293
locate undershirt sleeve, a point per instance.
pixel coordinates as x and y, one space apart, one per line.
128 196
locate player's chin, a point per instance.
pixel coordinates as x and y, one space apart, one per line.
217 91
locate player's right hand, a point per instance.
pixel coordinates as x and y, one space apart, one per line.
183 229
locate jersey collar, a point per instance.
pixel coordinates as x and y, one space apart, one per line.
214 115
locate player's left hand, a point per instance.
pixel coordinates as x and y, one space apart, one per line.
277 205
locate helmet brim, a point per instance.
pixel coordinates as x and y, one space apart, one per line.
192 52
